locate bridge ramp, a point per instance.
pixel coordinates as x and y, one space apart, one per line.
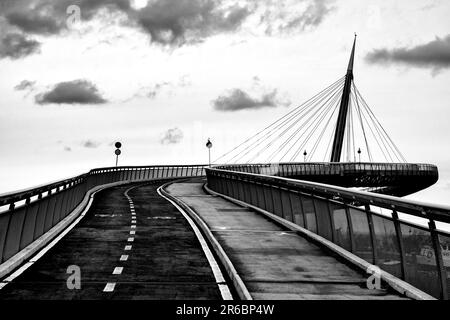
165 259
275 263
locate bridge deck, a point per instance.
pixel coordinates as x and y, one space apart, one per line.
272 262
165 260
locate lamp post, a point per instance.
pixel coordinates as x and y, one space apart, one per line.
304 155
359 154
209 146
118 145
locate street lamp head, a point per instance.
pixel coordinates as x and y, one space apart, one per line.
209 144
305 153
359 150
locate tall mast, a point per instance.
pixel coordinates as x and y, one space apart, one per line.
343 110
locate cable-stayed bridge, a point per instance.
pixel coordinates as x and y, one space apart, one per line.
269 222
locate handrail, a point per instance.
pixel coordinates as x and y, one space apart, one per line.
26 215
397 179
11 197
413 207
344 165
409 251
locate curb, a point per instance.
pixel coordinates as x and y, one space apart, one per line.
238 284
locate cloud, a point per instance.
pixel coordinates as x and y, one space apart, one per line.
68 149
170 22
293 16
156 89
16 45
177 22
25 85
172 136
36 21
49 17
90 144
434 54
72 92
239 99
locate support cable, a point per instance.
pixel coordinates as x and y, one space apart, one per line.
282 118
300 114
314 113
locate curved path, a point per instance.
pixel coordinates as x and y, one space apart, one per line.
273 261
132 244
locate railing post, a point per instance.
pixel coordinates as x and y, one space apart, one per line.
332 226
71 189
350 229
271 197
25 215
442 273
315 213
302 207
398 231
372 233
38 204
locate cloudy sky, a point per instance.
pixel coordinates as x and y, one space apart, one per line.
163 76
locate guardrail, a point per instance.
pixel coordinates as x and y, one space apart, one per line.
314 168
26 215
398 179
418 253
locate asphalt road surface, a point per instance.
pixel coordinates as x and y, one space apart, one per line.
151 254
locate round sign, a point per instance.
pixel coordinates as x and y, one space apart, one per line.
209 144
118 145
117 152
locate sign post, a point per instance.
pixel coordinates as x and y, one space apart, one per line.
209 146
117 152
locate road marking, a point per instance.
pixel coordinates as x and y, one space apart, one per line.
133 227
220 280
118 270
18 272
109 287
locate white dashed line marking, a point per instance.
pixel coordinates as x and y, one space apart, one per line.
118 270
109 287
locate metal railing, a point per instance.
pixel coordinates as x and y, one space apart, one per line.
326 168
415 251
28 214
